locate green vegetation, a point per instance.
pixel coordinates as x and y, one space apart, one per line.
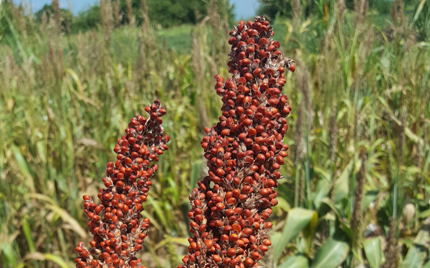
164 13
273 8
356 184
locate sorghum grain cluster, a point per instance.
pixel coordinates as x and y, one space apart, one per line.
116 223
245 150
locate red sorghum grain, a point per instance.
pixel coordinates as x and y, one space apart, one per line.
244 150
116 223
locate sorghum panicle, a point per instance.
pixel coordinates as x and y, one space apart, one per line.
245 150
116 223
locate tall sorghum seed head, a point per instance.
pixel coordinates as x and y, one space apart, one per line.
107 19
116 223
57 13
297 13
130 15
245 150
116 13
145 16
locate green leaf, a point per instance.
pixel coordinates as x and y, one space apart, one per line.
322 190
419 9
8 252
174 194
283 204
152 219
341 188
66 217
411 135
427 265
47 257
41 149
376 144
368 198
296 261
322 173
27 232
309 233
275 237
22 163
158 211
344 224
195 173
415 257
424 214
418 252
57 259
331 254
181 241
373 250
297 220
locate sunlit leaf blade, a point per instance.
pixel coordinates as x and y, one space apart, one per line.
373 250
331 254
47 257
27 232
297 220
296 261
7 251
417 253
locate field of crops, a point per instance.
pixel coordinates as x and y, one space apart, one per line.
355 184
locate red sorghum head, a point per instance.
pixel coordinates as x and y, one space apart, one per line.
116 223
231 206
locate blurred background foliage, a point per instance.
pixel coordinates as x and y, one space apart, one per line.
355 189
163 13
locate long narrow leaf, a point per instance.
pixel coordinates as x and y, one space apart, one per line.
297 220
373 250
418 252
331 254
296 261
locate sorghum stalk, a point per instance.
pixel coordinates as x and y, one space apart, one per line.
357 214
116 223
245 150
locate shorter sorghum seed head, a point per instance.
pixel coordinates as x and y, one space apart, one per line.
116 223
